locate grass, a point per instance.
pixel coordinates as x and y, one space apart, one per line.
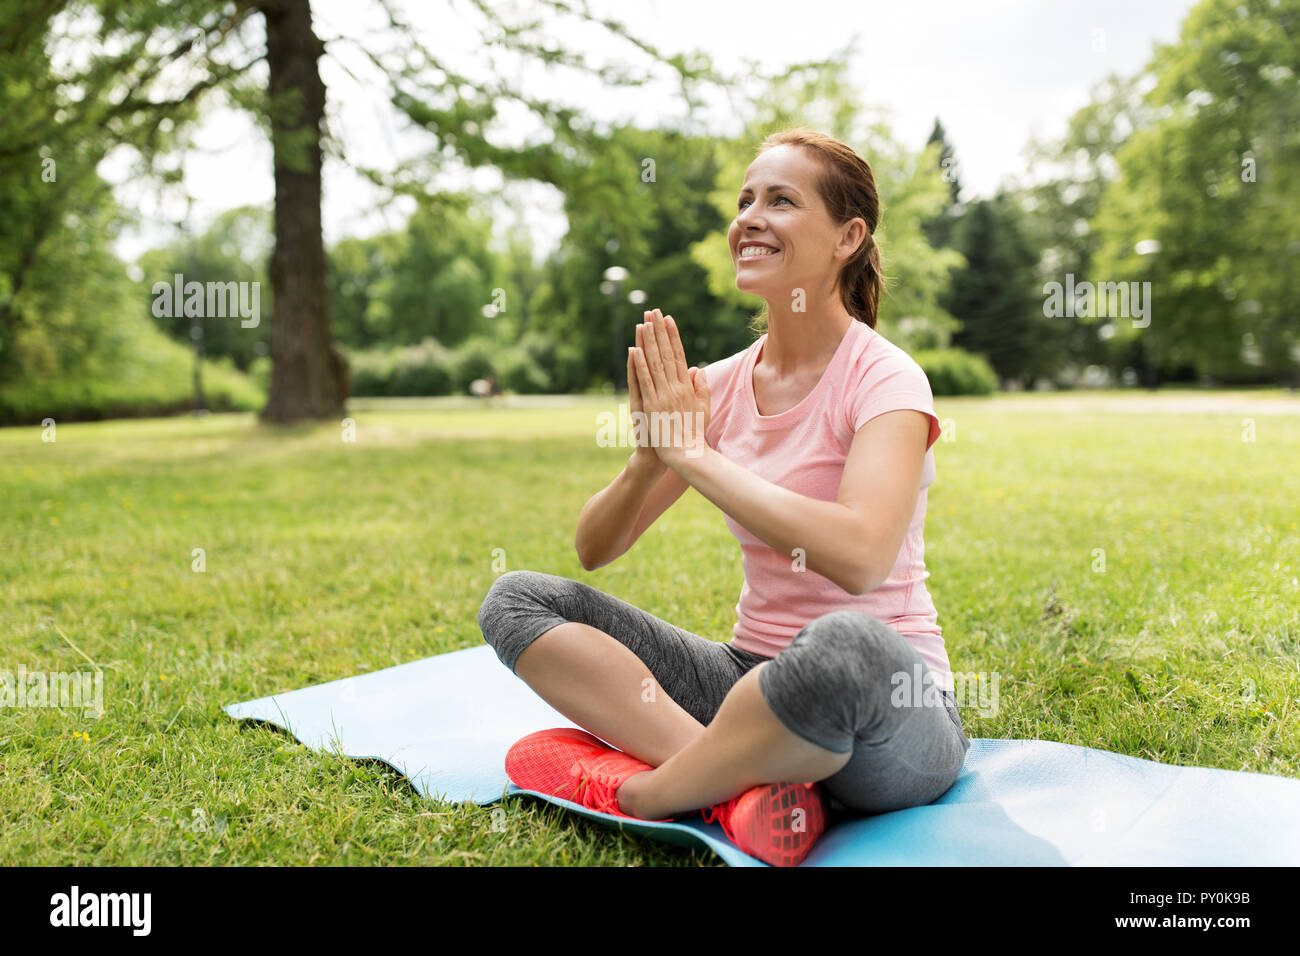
326 558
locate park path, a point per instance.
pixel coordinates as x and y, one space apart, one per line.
1219 403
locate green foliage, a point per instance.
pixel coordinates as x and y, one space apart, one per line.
1059 212
994 294
431 278
75 340
532 365
957 372
1212 180
640 204
370 372
939 229
145 374
235 248
474 358
424 369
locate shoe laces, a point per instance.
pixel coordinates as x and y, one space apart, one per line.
721 813
595 790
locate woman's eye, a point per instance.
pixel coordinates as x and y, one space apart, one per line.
741 204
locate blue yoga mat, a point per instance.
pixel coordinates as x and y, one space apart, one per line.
446 723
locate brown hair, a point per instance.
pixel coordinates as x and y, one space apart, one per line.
848 188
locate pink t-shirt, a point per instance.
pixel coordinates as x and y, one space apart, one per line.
804 449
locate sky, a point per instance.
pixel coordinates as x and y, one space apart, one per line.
995 72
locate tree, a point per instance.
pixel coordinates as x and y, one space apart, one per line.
1060 210
235 248
60 285
153 62
939 229
994 295
308 377
643 204
1210 180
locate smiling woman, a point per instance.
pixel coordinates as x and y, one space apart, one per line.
817 447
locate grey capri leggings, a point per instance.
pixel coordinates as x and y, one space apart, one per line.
831 686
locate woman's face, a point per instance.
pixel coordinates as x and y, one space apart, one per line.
782 225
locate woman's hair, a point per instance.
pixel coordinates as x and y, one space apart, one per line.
848 188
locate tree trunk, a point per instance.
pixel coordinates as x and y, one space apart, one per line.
308 376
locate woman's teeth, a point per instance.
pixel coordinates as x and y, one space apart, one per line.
747 252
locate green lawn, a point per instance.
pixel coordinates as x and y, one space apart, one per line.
326 559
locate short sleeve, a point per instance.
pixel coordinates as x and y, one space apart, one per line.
891 382
721 379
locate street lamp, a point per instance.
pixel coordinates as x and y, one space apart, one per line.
614 277
196 320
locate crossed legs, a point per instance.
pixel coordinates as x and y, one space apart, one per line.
714 721
603 686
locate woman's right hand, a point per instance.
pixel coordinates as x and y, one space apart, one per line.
610 521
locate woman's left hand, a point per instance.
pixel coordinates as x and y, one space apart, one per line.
674 397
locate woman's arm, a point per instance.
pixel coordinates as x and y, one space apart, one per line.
613 518
616 516
852 541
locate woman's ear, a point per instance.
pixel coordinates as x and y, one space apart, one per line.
852 238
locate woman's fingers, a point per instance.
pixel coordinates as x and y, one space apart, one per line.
650 350
645 379
658 333
647 390
633 388
679 352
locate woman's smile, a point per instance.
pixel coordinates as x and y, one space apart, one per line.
756 251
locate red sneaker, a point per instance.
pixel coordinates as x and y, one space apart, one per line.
575 766
762 821
541 761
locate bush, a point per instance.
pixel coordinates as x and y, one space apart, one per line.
476 357
536 364
411 371
424 369
259 370
957 372
370 372
147 374
519 371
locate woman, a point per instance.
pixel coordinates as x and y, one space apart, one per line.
817 448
